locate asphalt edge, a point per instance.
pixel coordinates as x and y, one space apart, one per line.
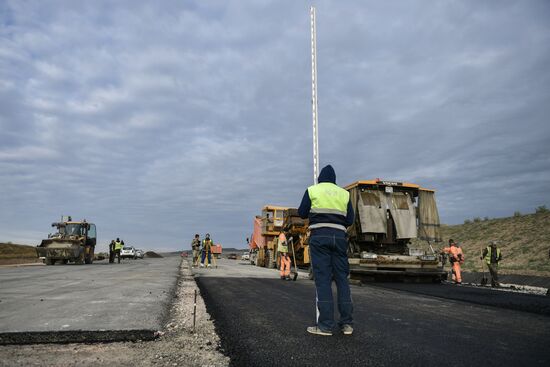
165 315
76 336
97 336
225 348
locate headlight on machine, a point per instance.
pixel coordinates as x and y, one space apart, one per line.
427 257
368 255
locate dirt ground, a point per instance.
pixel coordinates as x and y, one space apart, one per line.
177 344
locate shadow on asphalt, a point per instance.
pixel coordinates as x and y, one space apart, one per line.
482 296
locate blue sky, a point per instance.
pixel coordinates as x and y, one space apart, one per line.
158 120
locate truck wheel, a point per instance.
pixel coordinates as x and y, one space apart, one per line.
64 261
270 263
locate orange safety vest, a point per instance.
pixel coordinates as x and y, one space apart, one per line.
455 252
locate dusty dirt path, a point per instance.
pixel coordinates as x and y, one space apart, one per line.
177 346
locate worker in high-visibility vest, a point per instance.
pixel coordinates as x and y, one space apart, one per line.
118 247
456 257
330 212
207 250
282 247
492 256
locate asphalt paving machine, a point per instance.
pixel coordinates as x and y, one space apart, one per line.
388 215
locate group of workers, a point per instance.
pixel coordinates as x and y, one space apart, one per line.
490 256
329 210
202 250
114 250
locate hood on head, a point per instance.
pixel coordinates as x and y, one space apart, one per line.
327 175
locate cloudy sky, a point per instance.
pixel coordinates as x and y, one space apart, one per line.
156 120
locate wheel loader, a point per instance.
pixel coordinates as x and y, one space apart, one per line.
74 242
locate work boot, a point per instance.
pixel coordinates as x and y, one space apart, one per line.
315 330
202 265
347 329
282 277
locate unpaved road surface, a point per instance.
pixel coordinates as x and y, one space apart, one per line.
262 320
133 295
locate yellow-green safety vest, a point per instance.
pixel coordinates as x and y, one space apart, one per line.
328 198
488 256
118 245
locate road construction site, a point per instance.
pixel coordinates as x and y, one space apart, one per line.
251 317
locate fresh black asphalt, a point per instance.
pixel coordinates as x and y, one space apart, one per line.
482 296
262 322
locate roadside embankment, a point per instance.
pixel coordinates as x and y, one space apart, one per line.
11 254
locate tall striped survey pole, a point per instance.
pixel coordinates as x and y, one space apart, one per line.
314 95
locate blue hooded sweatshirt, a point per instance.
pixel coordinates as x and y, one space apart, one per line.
327 174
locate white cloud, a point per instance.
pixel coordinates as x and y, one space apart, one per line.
159 120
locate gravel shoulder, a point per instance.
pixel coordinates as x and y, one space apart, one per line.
177 344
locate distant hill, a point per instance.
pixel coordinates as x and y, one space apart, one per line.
524 241
17 254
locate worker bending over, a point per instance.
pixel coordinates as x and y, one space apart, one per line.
456 258
329 210
285 259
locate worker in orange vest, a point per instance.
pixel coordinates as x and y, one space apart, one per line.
456 257
285 259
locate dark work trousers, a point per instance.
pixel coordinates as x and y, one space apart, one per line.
117 254
493 269
329 261
111 256
204 252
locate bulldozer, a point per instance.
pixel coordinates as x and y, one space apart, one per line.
74 241
388 215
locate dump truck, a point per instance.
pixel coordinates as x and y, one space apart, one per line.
263 246
74 241
388 215
217 251
267 227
